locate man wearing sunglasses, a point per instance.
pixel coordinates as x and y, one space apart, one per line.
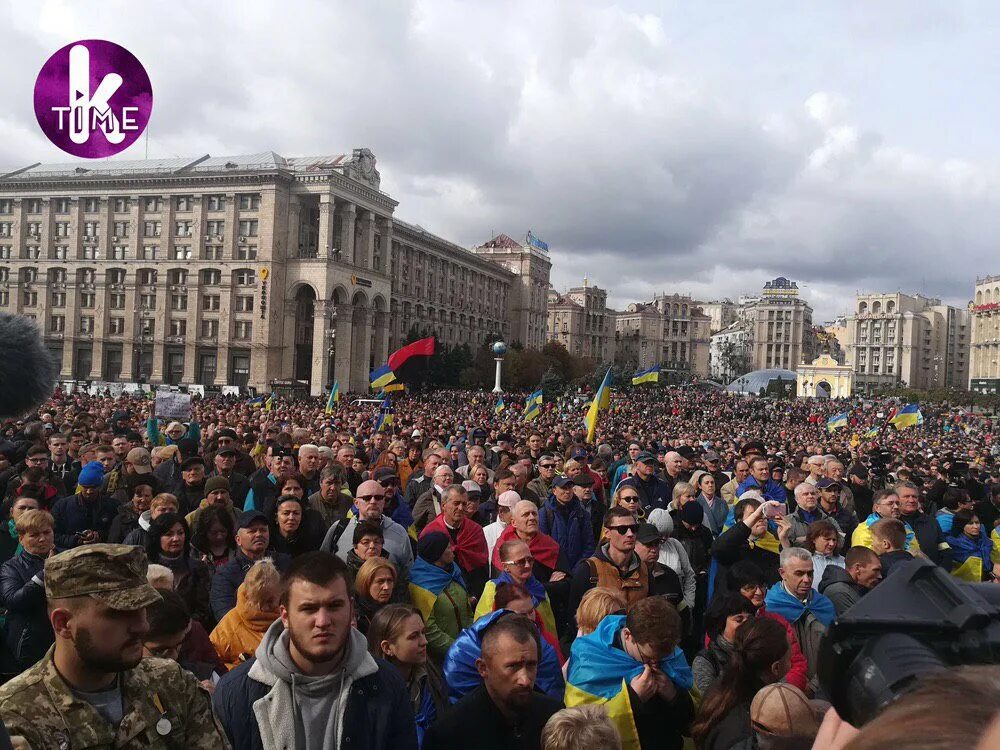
615 565
541 485
369 505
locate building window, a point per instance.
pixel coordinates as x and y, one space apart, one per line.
182 252
57 324
116 276
249 201
147 276
149 252
183 202
91 253
87 300
244 303
5 229
4 252
4 298
33 206
116 326
121 205
58 299
91 205
246 252
117 301
118 252
243 329
177 276
121 229
6 205
147 301
212 252
244 277
211 277
86 324
62 229
62 205
178 302
151 203
183 228
216 202
248 228
4 274
215 228
178 327
151 229
32 252
209 329
210 302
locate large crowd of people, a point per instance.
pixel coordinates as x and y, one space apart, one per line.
448 575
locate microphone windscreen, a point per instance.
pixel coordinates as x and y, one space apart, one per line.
27 369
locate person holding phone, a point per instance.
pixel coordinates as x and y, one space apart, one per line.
749 538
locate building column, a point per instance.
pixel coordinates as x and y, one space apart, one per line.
344 329
100 327
381 327
287 368
221 364
361 349
72 325
385 234
320 349
294 222
159 321
345 243
325 243
366 235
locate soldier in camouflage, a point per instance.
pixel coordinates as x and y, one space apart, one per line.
93 688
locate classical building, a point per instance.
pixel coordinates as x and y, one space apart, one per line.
581 321
826 378
729 352
670 330
529 262
722 313
900 339
781 324
241 270
984 367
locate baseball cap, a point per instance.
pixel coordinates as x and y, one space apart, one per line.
562 481
505 437
113 574
472 487
648 534
687 452
190 463
140 460
384 473
858 470
578 452
646 458
217 483
584 479
226 432
782 710
508 499
711 456
226 452
826 483
753 446
249 517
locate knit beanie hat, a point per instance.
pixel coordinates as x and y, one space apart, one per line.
432 545
91 475
692 513
217 483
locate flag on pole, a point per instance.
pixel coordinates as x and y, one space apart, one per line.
393 387
385 416
381 377
334 397
836 421
652 375
533 406
908 416
500 406
269 404
873 432
602 400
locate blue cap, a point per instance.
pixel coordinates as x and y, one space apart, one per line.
562 481
91 475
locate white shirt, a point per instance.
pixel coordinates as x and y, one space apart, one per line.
492 532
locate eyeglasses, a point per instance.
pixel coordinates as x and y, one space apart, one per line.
369 498
524 562
546 466
629 498
624 529
389 483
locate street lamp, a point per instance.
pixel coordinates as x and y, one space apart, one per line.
499 349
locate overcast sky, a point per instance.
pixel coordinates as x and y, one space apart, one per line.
664 146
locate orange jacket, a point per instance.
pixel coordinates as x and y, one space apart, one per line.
238 634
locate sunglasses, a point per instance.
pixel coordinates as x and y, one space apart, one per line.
369 498
629 498
389 483
624 529
524 562
546 466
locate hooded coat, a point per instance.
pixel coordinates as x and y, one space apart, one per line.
240 632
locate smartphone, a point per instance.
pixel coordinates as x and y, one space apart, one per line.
774 511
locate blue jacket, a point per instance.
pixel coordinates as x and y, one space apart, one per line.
229 577
377 717
570 526
771 490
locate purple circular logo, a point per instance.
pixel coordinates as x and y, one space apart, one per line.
93 98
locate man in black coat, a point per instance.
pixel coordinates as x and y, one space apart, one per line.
505 712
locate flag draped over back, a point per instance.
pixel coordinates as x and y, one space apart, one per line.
500 406
908 416
269 404
652 375
602 400
533 406
385 416
334 397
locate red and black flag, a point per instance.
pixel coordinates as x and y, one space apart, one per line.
411 358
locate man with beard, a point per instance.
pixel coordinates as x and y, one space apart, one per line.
505 711
93 688
312 683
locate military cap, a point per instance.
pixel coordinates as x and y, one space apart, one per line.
114 574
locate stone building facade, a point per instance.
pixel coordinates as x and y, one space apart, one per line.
984 365
670 330
581 321
781 327
239 270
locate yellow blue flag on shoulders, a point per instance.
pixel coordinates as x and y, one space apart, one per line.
334 397
599 673
428 581
908 416
602 400
836 422
269 404
500 406
652 375
381 377
385 416
533 406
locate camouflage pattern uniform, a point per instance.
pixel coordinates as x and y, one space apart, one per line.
163 705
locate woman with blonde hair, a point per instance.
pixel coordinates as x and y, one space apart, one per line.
240 632
374 586
29 633
595 605
580 726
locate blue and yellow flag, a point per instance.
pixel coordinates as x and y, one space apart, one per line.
599 673
652 375
257 400
428 581
500 406
873 432
836 421
269 404
908 416
385 416
381 377
334 397
533 406
602 400
970 557
394 387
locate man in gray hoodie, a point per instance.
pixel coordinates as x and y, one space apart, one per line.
312 684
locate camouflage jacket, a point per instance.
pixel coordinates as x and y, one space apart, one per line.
39 706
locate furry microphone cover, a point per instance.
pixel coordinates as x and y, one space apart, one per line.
27 372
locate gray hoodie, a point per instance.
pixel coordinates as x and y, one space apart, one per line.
301 712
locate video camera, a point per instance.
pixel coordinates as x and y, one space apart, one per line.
917 621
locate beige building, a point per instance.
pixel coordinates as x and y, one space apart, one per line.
984 365
529 262
723 313
825 377
581 321
236 270
907 340
671 330
780 327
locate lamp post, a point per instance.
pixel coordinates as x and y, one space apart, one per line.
499 349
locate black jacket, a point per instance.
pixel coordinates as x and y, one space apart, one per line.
892 560
476 722
228 577
732 547
126 520
928 534
72 515
307 538
29 633
838 586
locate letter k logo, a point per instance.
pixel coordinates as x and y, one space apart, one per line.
83 104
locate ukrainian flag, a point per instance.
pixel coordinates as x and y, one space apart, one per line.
269 404
533 406
334 397
385 416
970 557
600 673
257 401
381 377
873 432
500 406
428 581
908 416
836 421
652 375
601 401
393 387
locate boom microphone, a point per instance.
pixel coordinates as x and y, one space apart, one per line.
27 372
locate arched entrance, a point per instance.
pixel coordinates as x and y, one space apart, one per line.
305 304
823 389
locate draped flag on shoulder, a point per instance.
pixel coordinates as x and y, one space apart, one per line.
385 416
652 375
334 397
269 404
500 406
908 416
602 400
533 406
836 422
381 377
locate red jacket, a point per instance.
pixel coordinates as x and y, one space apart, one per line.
798 675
